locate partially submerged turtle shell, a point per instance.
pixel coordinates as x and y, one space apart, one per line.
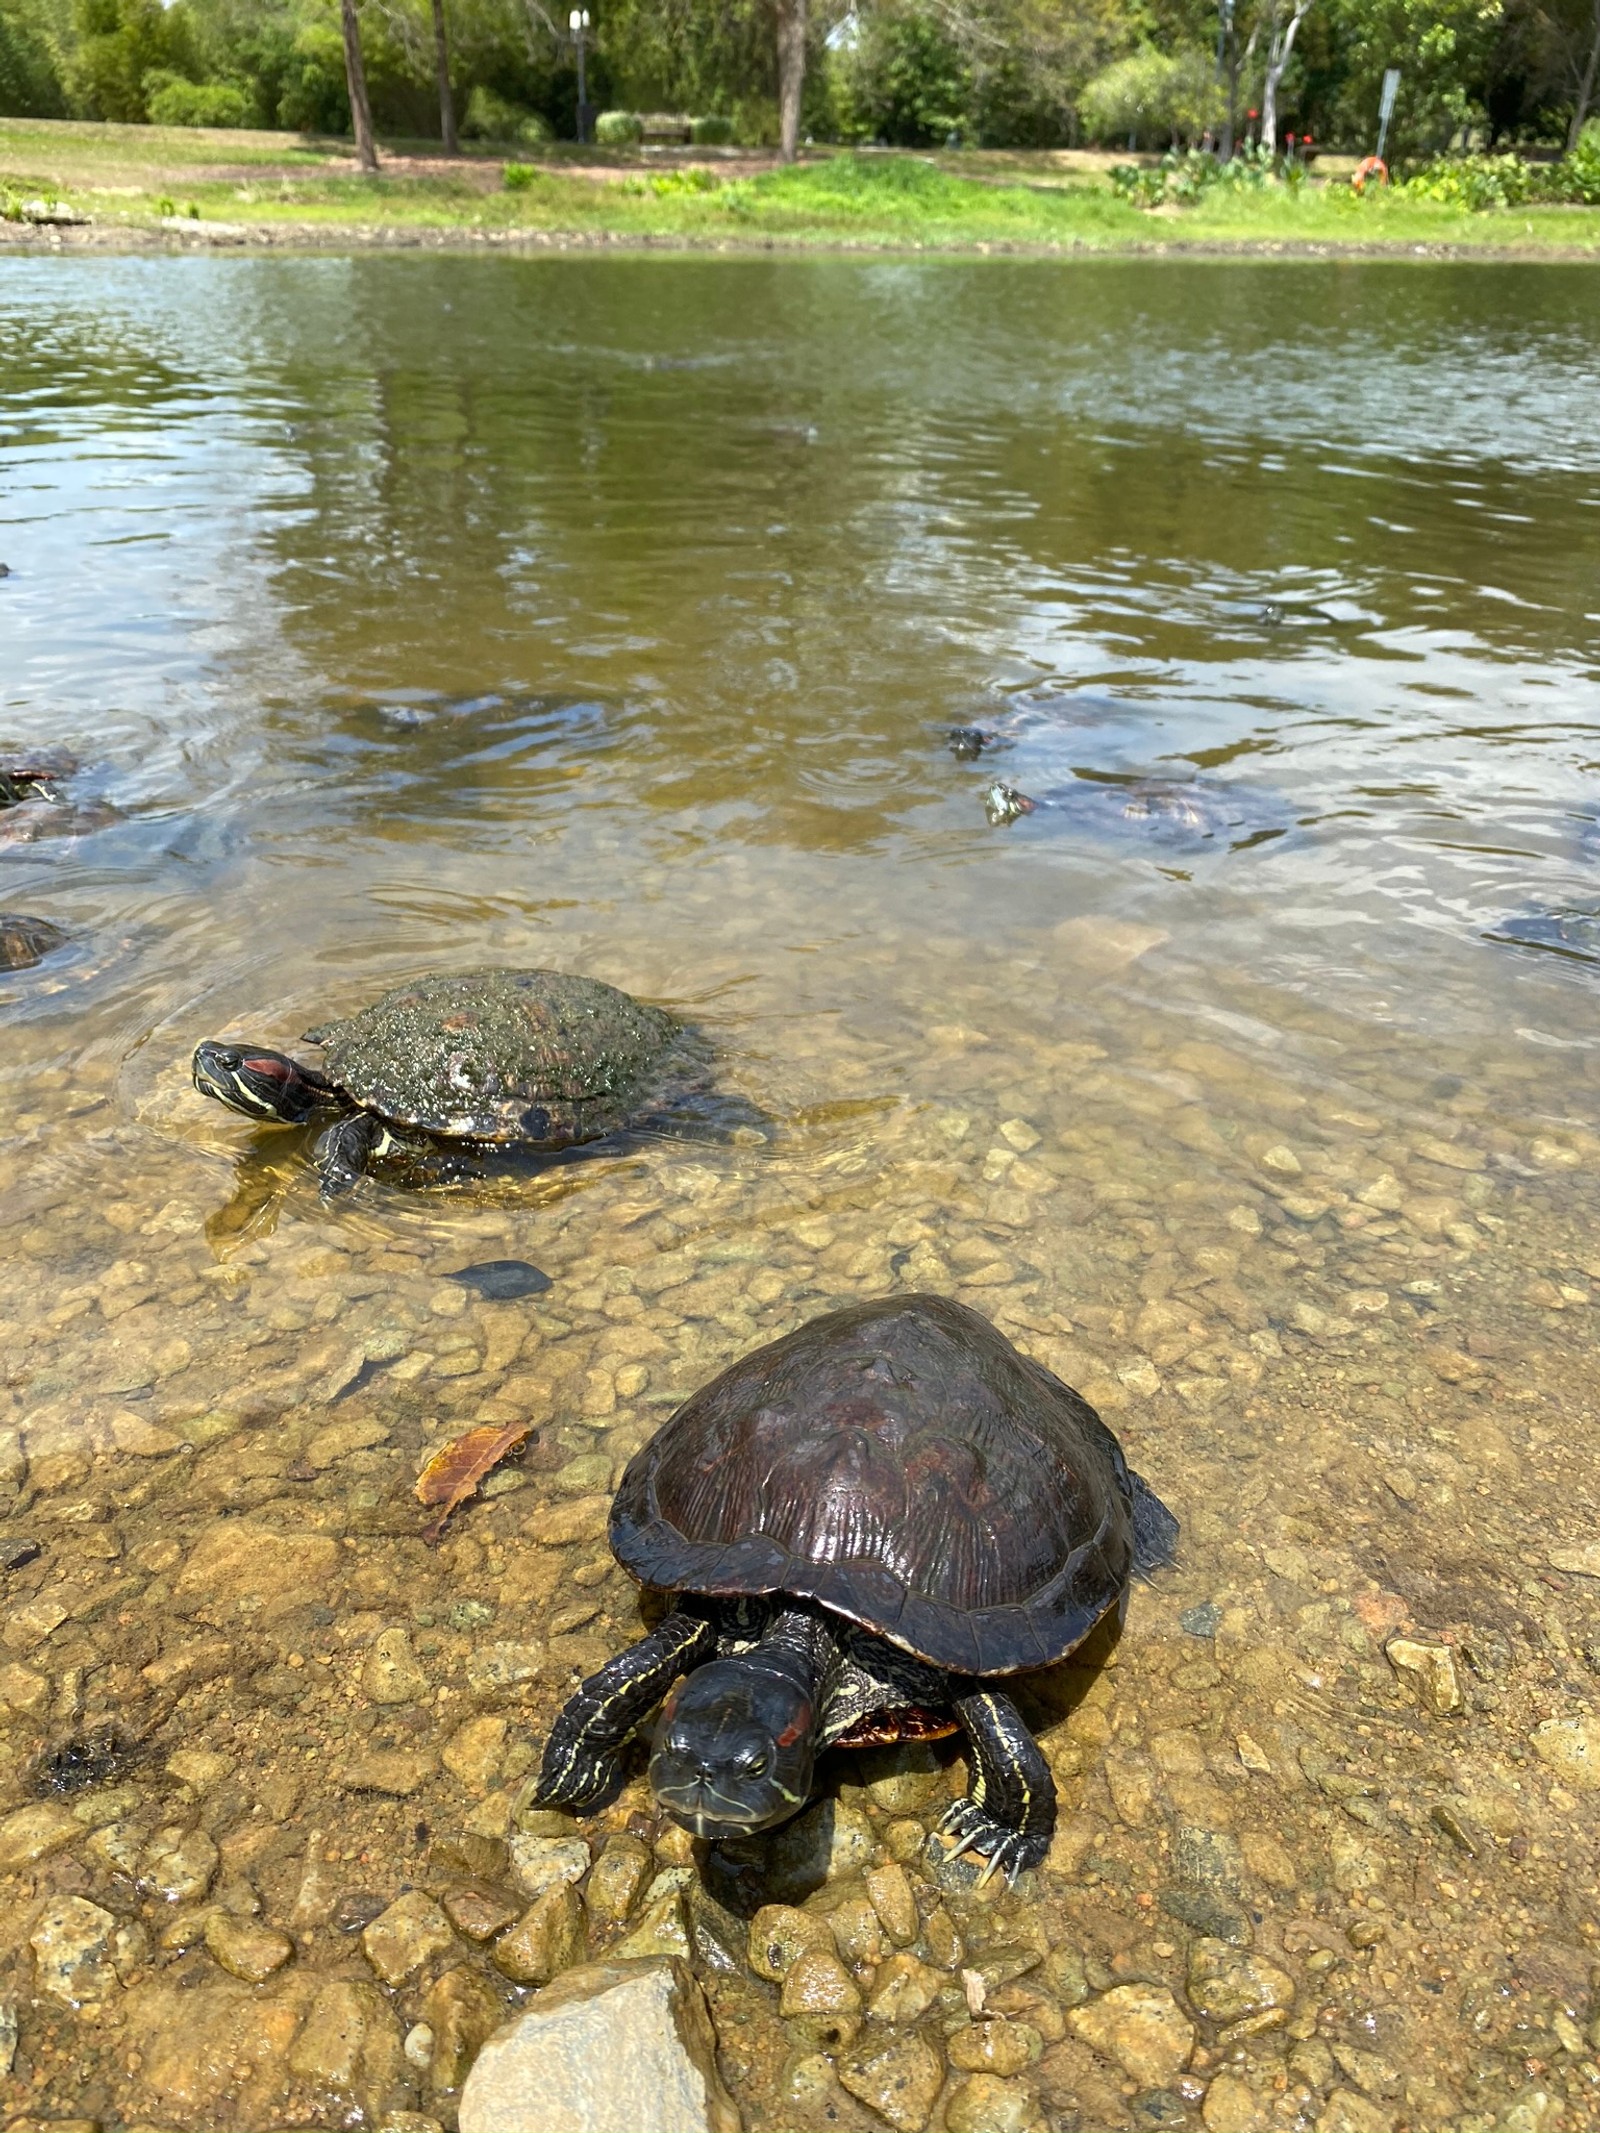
500 1055
899 1462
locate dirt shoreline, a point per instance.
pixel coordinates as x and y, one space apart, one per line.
22 239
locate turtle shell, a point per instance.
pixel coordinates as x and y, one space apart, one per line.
899 1462
500 1055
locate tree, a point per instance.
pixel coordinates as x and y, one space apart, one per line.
441 62
356 76
1278 52
791 75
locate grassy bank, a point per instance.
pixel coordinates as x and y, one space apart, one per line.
146 184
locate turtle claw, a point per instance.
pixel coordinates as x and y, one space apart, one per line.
1005 1851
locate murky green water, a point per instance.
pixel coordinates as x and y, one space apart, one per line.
612 615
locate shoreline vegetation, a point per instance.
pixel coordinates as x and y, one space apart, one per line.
82 185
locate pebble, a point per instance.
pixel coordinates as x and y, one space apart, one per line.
899 2078
33 1833
547 1939
593 2045
890 1893
828 1843
178 1864
245 1947
477 1914
1347 2112
541 1863
392 1674
1232 2106
475 1751
1225 1985
662 1930
821 1999
1142 2028
903 1989
73 1945
987 2104
462 2010
618 1876
399 1772
1571 1748
994 2046
1434 1668
405 1936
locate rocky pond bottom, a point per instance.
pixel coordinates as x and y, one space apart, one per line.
1327 1848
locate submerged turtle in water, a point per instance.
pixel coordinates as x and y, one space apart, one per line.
34 802
505 1058
25 941
1573 934
864 1523
1187 813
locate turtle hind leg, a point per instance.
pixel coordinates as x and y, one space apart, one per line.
1009 1813
583 1759
1155 1530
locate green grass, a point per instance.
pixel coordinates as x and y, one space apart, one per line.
125 178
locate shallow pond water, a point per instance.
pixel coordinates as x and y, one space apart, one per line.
613 614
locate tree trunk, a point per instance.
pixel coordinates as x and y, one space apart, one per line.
791 75
1277 59
356 76
441 67
1580 110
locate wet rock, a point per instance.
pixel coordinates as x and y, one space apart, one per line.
592 2046
828 1843
198 1768
1580 1560
994 2046
547 1939
1225 1984
73 1945
474 1752
245 1947
238 1560
1064 1975
821 1999
539 1863
1433 1667
1232 2106
987 2104
856 1929
1570 1747
903 1989
618 1877
889 1891
1141 2028
899 2078
1357 1863
348 2027
398 1772
663 1930
904 1779
405 1936
461 2009
178 1864
1347 2112
33 1833
477 1914
391 1674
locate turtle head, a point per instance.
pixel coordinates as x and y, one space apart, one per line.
734 1749
262 1085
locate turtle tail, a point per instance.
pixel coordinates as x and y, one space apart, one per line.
1155 1530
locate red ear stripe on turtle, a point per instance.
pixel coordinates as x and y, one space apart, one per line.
799 1726
270 1069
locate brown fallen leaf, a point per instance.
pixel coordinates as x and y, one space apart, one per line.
457 1469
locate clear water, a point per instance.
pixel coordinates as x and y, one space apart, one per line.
612 614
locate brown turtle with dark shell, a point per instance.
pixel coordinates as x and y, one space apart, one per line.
864 1524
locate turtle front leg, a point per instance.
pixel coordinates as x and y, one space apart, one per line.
345 1152
1009 1813
583 1756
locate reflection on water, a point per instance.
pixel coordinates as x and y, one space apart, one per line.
613 615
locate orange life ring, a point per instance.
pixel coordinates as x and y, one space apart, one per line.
1374 166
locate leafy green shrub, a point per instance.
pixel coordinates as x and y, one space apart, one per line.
903 81
1476 183
314 97
1575 180
618 129
172 101
712 131
1185 175
492 117
519 176
1152 96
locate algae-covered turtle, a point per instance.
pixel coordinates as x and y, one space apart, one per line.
34 802
25 940
864 1524
1188 813
504 1058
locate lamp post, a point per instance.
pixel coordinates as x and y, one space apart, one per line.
578 23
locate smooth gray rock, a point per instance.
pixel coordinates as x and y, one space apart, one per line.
608 2045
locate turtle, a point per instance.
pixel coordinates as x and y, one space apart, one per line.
34 803
865 1526
25 941
34 774
525 1058
1188 813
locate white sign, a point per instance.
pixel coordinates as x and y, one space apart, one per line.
1391 84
